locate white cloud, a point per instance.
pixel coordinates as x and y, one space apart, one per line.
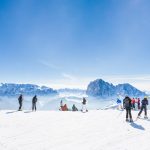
49 65
69 77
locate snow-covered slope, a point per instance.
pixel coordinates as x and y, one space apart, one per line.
54 130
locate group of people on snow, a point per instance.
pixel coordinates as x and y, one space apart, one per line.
129 105
62 107
135 102
74 108
34 101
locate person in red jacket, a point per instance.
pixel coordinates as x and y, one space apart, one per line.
139 106
133 103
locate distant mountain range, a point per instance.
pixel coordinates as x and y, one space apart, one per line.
9 89
97 88
100 88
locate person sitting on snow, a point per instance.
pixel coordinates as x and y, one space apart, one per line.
64 108
74 108
144 106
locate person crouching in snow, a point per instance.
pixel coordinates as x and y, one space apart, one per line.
144 106
84 102
127 105
74 108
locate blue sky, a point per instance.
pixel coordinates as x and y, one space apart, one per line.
68 43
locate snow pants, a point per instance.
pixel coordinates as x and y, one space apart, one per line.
128 113
20 105
33 106
145 110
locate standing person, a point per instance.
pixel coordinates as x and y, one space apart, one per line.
127 105
20 100
119 103
34 100
144 106
139 104
133 103
84 102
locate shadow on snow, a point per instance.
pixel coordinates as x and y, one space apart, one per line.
10 112
137 126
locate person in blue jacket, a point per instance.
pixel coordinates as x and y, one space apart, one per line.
144 107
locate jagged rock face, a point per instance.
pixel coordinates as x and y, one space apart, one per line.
127 89
26 89
104 89
100 88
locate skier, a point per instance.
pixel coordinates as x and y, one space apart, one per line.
34 100
74 108
84 102
127 105
133 103
144 106
119 103
20 100
139 104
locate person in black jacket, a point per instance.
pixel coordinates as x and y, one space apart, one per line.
20 100
127 105
34 100
144 106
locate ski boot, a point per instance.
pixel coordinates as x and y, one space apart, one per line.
145 117
127 119
131 120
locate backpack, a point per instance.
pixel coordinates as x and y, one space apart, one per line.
127 103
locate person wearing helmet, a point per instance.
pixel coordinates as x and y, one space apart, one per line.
144 107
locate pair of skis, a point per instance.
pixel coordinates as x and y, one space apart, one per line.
145 118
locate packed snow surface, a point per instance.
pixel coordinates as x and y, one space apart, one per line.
55 130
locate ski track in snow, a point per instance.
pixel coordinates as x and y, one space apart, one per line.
54 130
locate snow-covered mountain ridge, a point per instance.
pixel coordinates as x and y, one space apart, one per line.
11 89
104 89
